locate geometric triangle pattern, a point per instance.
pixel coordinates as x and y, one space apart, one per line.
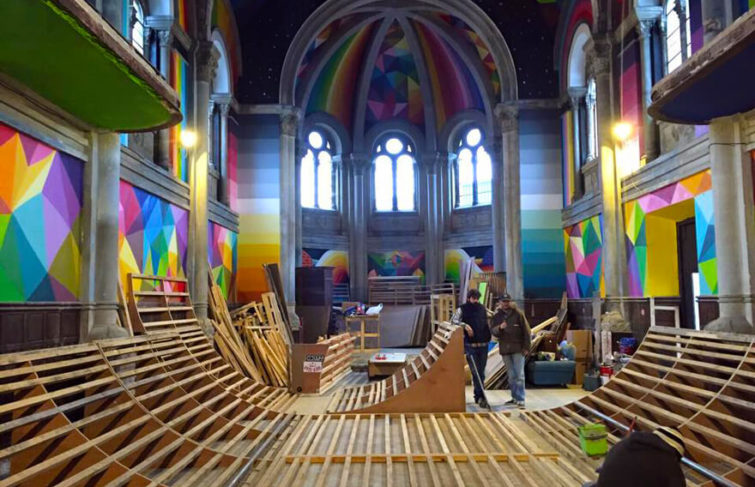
222 257
583 247
337 259
152 235
40 210
478 46
697 186
394 88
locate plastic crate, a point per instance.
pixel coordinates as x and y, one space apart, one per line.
593 439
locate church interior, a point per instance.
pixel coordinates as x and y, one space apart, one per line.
240 241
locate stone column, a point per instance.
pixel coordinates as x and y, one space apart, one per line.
613 225
301 151
644 30
206 59
105 186
360 211
210 147
497 205
223 191
577 101
731 173
162 145
429 193
508 116
717 14
289 127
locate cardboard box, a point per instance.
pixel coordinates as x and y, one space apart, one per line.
580 368
582 341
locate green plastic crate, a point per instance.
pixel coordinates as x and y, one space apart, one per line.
593 439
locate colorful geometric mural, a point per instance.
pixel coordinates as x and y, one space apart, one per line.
221 255
40 206
152 235
705 233
396 263
337 259
583 246
316 45
542 200
178 80
452 84
635 212
394 89
476 42
335 88
453 258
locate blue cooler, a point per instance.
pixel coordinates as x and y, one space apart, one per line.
550 373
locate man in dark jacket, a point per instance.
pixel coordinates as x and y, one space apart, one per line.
513 332
646 459
474 318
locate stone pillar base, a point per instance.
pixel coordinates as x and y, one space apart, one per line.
730 324
103 332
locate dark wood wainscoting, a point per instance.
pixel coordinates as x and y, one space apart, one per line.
27 326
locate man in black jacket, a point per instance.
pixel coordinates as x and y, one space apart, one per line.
513 332
646 459
474 318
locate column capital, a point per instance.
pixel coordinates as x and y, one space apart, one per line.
598 50
359 161
433 161
289 120
160 23
224 108
207 56
508 116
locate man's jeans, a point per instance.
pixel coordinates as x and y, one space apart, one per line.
480 357
515 368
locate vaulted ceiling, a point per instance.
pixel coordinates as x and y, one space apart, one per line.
406 48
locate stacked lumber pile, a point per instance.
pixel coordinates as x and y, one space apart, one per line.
337 359
251 338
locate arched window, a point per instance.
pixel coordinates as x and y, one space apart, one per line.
318 175
136 25
592 120
678 36
394 174
473 171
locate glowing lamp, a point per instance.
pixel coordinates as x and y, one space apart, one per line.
188 139
622 131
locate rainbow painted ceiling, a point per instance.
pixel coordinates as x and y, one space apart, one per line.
363 70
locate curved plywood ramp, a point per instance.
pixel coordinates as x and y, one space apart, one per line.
431 382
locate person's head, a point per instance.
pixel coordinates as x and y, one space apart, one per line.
473 296
504 301
672 437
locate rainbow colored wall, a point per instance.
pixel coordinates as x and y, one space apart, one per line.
40 226
337 259
453 258
695 188
178 80
542 201
224 20
222 257
334 90
258 201
396 263
152 235
583 246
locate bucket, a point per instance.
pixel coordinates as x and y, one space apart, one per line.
593 439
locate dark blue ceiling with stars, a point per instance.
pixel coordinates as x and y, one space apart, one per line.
267 27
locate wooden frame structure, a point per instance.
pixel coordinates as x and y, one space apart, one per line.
431 382
337 360
165 409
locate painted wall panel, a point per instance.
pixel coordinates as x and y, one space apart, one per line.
396 263
152 235
338 259
583 247
483 256
541 176
222 257
258 187
40 218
